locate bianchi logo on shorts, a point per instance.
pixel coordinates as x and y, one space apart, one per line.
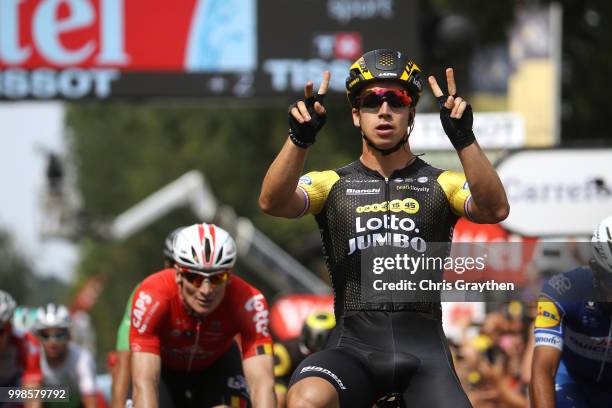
324 371
362 191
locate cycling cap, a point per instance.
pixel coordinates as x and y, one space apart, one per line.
7 306
602 244
52 316
383 65
205 248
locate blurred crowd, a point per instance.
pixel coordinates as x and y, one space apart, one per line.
493 358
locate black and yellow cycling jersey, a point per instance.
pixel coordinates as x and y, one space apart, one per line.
358 210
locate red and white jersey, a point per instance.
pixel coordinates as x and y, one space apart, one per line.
160 323
21 358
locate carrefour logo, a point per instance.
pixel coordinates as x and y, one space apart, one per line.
407 205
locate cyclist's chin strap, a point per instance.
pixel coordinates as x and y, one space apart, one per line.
398 145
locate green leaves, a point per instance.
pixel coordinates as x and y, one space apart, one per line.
123 152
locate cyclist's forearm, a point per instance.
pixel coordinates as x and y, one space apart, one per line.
145 393
146 369
259 374
121 380
488 193
262 395
282 177
542 389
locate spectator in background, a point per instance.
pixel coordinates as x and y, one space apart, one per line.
489 364
63 363
19 353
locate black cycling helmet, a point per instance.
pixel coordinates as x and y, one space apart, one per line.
316 330
383 65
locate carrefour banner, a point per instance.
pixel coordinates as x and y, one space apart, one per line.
77 49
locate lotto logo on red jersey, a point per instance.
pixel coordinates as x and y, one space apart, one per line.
139 310
260 317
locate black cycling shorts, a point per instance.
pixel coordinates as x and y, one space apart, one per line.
372 354
222 383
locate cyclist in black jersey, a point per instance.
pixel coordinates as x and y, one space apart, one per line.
385 342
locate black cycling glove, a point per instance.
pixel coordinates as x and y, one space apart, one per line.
303 134
459 131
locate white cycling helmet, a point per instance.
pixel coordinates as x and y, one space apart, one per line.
602 244
205 248
7 306
52 316
169 243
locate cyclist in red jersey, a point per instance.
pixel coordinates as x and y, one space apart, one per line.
19 355
183 324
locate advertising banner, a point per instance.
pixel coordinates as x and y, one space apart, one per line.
73 49
561 192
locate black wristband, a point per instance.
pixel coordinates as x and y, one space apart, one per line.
459 131
298 142
303 134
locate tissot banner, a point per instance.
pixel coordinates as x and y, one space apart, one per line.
73 49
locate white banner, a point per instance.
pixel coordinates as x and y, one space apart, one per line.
557 192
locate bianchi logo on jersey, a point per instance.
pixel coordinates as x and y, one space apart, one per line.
362 191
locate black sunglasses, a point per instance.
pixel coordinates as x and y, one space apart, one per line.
57 336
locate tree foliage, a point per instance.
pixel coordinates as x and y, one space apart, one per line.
123 152
18 279
586 60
